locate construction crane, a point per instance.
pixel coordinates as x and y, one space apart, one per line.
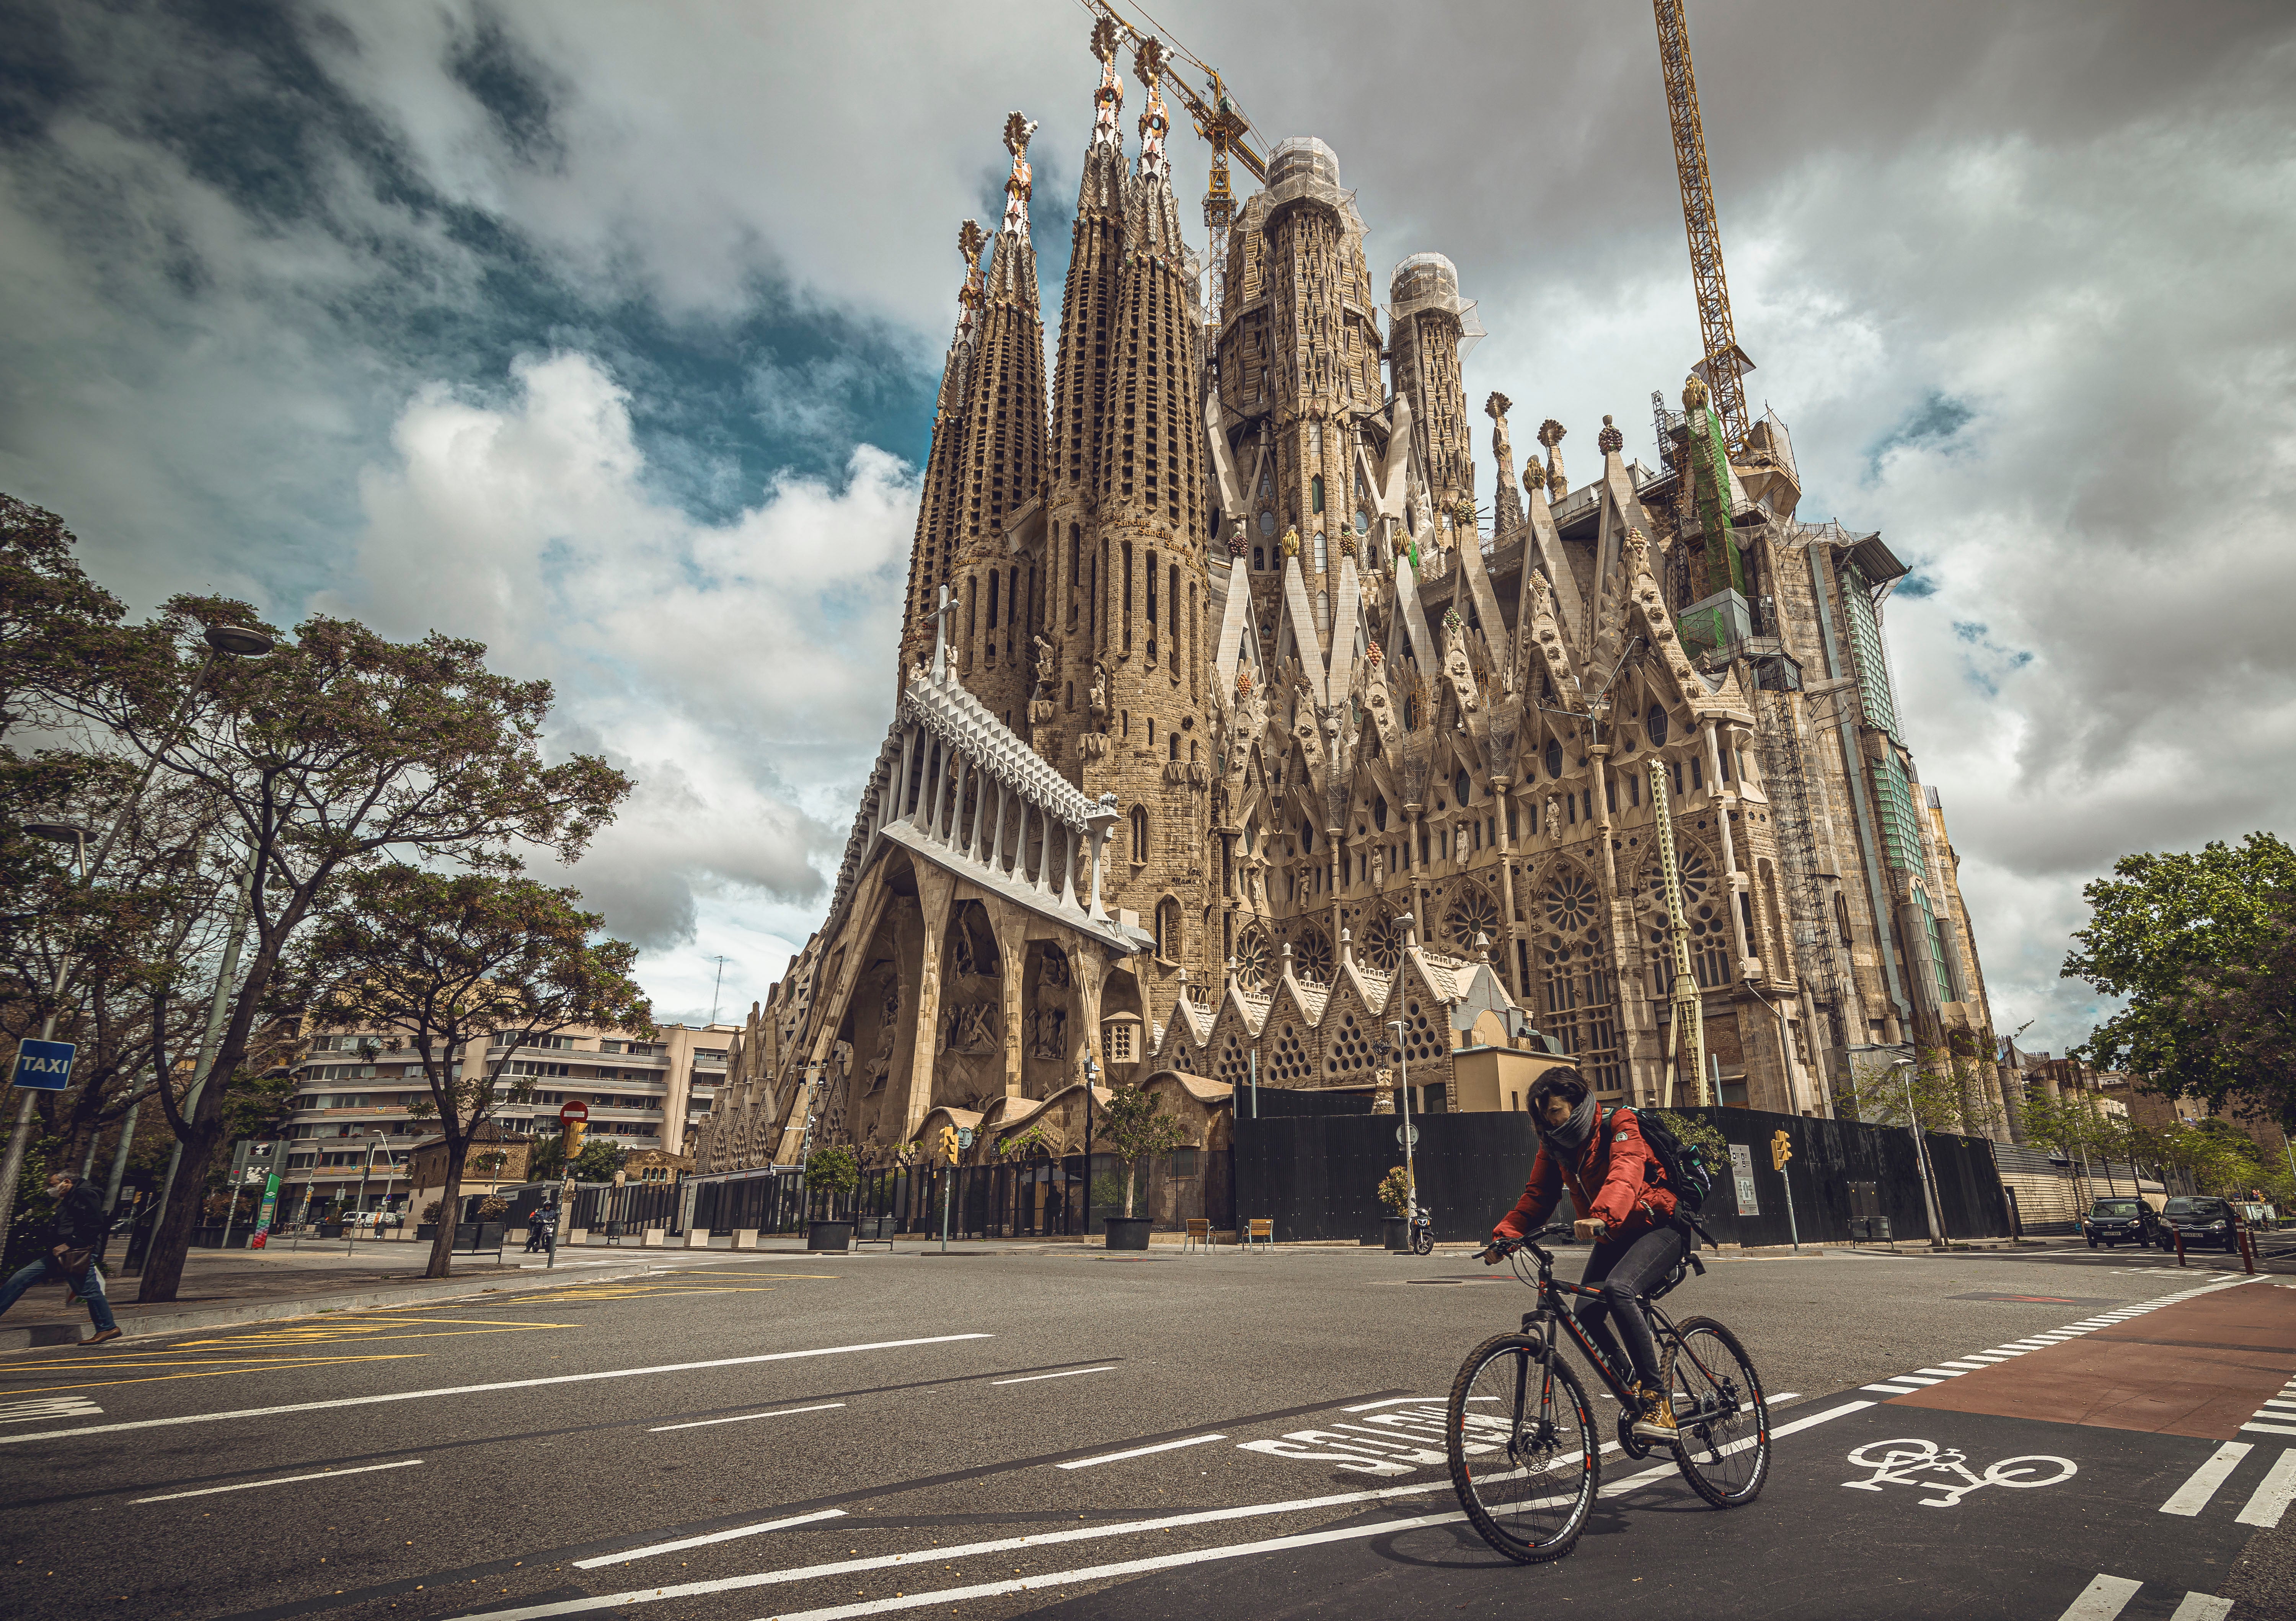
1220 124
1725 360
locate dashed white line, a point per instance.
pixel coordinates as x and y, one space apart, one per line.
2193 1497
628 1554
2270 1500
248 1486
1030 1379
1138 1451
744 1418
2101 1600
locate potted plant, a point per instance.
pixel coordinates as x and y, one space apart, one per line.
428 1226
487 1233
1395 1193
832 1172
1135 1129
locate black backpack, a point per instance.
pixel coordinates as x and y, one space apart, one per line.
1687 1174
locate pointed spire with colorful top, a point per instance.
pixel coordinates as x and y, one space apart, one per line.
933 549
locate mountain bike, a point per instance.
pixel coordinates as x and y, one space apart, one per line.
1522 1437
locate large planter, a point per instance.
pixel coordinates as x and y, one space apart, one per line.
829 1235
1396 1229
478 1235
331 1229
1128 1231
424 1232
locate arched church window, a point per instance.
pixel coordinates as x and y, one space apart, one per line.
1315 494
1259 559
1553 758
1654 725
1169 944
1462 786
1323 557
1580 990
1139 834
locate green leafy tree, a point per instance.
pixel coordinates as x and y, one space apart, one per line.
1135 1129
455 963
834 1173
1395 1190
2202 946
600 1160
1939 1092
339 749
52 615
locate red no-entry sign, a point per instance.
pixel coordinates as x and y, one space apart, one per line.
574 1108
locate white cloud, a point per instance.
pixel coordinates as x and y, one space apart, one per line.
735 671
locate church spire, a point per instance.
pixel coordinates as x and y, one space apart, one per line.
934 546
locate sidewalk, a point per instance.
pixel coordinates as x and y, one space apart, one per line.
221 1287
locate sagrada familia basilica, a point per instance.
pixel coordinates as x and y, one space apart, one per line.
1232 735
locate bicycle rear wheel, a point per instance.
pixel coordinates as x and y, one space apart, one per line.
1524 1458
1722 1422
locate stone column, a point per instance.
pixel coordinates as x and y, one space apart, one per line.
1087 972
1010 924
1724 805
935 890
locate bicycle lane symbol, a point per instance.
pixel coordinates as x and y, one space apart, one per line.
1905 1463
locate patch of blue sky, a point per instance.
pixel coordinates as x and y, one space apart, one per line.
1936 423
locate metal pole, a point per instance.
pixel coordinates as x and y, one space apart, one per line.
120 1161
231 1198
1793 1229
350 1228
1410 1170
1255 1099
948 1186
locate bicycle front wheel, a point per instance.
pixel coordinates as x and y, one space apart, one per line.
1722 1422
1524 1459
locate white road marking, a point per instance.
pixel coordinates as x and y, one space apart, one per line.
47 1407
2193 1495
1103 1572
745 1417
1892 1390
1943 1372
508 1383
1965 1364
2270 1500
1401 1401
1139 1451
2201 1606
1816 1419
1030 1379
1628 1483
927 1556
248 1486
2270 1429
2101 1600
628 1554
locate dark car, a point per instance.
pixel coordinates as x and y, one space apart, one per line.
2117 1221
2201 1221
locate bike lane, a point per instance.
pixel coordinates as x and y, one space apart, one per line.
2114 1474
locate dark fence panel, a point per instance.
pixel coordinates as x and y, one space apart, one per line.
1318 1177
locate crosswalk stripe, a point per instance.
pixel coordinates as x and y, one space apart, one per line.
2270 1429
2201 1606
2101 1600
2193 1495
2270 1499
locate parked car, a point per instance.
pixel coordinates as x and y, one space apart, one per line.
2118 1221
2201 1221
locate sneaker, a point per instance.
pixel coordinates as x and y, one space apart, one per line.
1657 1420
99 1337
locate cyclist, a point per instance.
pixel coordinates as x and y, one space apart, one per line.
1625 1208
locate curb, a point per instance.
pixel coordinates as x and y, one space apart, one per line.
40 1335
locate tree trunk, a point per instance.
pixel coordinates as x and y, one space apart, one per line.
171 1241
1131 1175
450 1211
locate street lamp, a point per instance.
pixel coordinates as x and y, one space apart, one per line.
220 639
1410 1169
366 1168
1091 1079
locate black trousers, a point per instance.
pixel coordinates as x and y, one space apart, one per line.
1627 1268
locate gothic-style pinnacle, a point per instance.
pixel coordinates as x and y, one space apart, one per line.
1104 40
1021 181
1149 63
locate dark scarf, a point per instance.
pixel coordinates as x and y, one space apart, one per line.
1569 1139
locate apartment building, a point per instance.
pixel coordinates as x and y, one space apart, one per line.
354 1126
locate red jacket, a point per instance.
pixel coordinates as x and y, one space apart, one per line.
1609 1180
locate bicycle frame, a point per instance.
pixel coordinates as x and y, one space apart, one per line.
1549 1312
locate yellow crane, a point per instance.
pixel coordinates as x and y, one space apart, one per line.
1725 360
1218 121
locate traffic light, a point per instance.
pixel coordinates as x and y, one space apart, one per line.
1781 1150
948 1143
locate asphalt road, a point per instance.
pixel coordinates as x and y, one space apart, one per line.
1144 1436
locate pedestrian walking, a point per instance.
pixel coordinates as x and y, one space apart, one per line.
74 1234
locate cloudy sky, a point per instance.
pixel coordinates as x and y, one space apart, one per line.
608 334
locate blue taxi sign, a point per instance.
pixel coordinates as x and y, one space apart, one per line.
43 1066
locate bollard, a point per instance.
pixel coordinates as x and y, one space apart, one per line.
2180 1231
2248 1248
